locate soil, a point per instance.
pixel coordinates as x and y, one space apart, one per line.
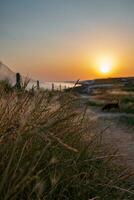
116 133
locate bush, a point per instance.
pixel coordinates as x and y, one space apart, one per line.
127 121
5 86
44 155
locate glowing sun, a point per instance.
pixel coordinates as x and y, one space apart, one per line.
105 65
105 68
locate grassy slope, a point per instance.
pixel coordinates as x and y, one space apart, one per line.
43 154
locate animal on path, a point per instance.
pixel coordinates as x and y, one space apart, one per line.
110 106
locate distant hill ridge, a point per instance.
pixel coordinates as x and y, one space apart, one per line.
114 80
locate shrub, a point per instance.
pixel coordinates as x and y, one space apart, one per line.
44 155
5 86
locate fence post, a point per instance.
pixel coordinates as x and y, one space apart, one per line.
38 85
52 86
18 81
60 88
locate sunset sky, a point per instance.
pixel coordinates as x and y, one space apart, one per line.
68 39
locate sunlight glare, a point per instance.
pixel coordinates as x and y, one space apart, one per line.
105 68
105 65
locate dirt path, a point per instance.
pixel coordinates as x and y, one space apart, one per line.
117 134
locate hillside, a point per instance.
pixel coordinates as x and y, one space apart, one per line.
6 73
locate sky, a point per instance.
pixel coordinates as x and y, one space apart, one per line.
67 39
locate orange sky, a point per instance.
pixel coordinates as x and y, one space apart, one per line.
74 65
63 40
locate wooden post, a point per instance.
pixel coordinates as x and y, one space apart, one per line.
32 91
52 86
60 88
18 81
38 85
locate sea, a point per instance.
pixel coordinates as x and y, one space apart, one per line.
48 85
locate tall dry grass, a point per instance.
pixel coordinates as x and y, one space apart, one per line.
44 156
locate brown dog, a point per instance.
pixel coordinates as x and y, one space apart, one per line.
110 106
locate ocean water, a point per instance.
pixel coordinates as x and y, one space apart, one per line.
48 85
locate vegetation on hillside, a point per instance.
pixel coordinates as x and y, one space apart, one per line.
5 86
44 154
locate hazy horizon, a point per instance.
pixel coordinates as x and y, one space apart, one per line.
65 40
